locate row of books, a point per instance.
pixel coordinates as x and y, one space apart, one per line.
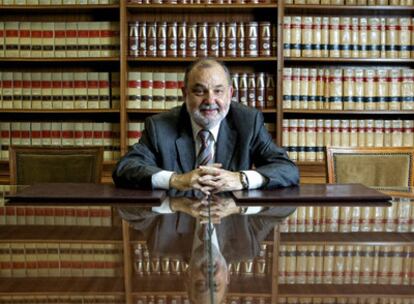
178 299
305 139
60 260
145 264
56 216
154 90
347 37
56 90
191 39
255 90
238 2
353 2
57 2
397 218
62 299
59 39
67 133
135 129
346 300
346 264
348 89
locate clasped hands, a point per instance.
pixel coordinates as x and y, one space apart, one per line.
220 207
207 179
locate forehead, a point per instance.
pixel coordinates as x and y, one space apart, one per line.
212 75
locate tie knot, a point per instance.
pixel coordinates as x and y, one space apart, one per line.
204 135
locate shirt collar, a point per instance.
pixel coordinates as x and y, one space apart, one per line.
196 128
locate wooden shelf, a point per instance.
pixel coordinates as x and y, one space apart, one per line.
63 59
339 60
354 10
59 111
58 8
62 285
190 59
348 238
201 8
348 112
52 234
155 111
345 290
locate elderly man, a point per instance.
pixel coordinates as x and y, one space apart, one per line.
208 144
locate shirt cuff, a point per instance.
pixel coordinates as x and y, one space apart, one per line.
165 207
161 180
253 210
256 180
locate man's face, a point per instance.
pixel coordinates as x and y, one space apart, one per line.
207 95
197 279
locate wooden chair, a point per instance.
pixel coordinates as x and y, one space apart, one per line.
30 165
386 168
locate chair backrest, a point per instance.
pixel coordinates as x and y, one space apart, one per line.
380 167
30 165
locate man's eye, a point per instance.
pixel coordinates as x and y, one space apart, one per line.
218 92
198 92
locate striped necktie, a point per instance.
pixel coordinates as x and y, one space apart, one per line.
205 155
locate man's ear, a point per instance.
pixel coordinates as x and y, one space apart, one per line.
184 91
231 91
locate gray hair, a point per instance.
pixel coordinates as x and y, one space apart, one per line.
205 63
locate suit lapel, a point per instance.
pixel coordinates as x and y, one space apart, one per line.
184 143
225 144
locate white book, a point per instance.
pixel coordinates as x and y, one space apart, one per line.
108 141
16 133
146 90
48 41
7 91
57 90
83 39
87 134
94 39
80 90
25 133
46 90
68 137
134 90
5 139
104 91
78 133
171 92
25 39
11 40
17 90
36 90
60 39
56 134
67 91
36 134
97 134
46 127
71 39
26 90
36 41
158 90
93 90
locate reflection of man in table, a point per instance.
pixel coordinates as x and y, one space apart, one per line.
208 144
180 235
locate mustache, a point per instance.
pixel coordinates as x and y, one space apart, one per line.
208 107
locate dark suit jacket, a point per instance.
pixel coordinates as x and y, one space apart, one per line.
171 235
167 144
